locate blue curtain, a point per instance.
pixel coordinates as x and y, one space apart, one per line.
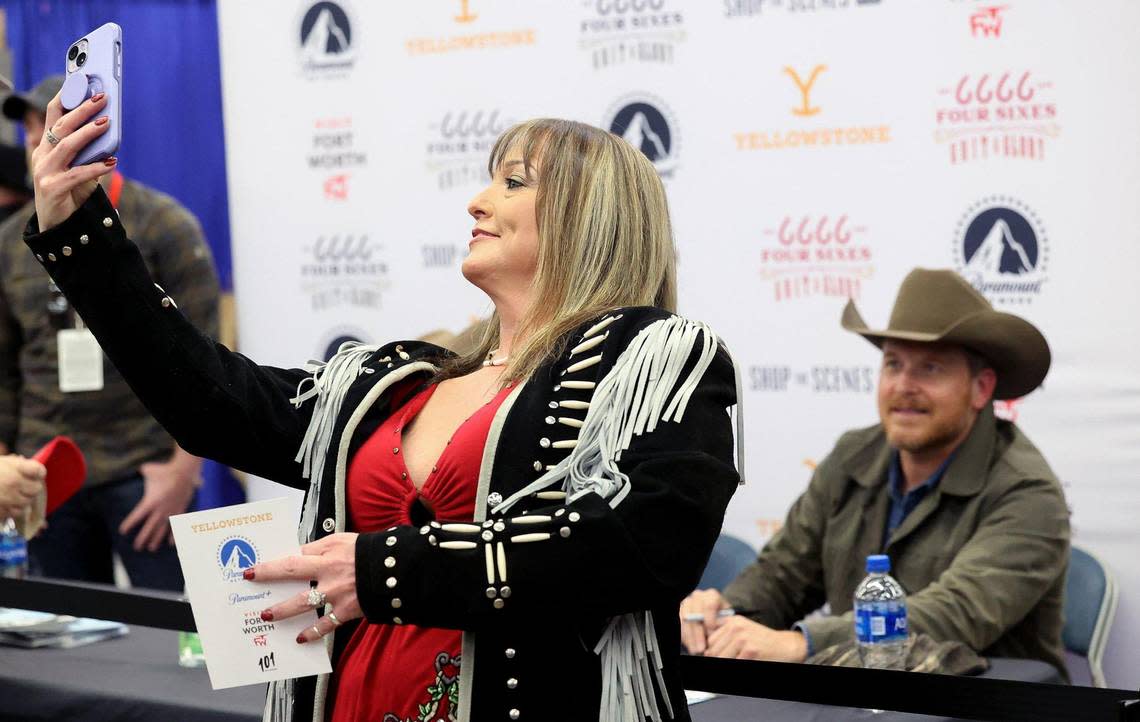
172 111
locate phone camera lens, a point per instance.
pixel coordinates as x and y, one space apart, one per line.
73 52
79 61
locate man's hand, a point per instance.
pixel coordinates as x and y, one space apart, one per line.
741 638
698 618
21 480
167 490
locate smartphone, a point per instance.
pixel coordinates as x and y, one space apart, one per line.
95 65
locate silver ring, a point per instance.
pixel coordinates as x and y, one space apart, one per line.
51 137
336 622
317 632
316 598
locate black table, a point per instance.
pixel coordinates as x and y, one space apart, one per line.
137 677
747 709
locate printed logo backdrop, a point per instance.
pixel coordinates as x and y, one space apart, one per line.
812 151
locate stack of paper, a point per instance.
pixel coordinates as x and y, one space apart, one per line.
23 628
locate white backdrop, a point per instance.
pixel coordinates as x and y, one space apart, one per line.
812 150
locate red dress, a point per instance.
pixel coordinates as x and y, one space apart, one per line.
405 673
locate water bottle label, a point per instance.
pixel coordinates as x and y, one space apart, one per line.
880 623
13 554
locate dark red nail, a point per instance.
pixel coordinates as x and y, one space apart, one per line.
97 97
300 639
110 162
267 616
248 573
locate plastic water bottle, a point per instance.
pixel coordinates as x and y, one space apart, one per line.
880 617
13 551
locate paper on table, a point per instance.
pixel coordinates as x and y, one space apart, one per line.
214 548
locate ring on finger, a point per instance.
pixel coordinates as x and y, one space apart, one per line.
51 137
317 631
316 598
332 617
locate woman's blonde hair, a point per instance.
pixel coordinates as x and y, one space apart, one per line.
604 238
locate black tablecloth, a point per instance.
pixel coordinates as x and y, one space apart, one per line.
137 677
746 709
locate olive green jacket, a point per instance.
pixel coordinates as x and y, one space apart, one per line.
982 557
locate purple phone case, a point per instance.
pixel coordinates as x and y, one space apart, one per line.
103 72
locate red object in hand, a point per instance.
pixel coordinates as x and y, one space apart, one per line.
66 470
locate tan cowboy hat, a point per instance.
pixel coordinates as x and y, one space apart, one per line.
939 306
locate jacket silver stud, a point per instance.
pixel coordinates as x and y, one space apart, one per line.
39 258
395 449
51 256
390 541
574 516
498 604
67 250
431 539
557 387
328 524
514 714
487 536
500 526
553 404
544 443
107 222
491 593
390 562
494 498
390 582
84 239
510 653
560 512
396 603
550 419
166 302
505 592
564 532
538 466
512 683
369 371
425 529
397 620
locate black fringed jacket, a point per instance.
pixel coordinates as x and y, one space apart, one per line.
530 619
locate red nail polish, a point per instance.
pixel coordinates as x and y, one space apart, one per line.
97 97
267 616
248 573
110 162
300 639
102 121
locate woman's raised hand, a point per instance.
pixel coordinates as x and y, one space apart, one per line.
60 189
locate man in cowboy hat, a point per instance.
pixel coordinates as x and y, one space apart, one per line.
966 507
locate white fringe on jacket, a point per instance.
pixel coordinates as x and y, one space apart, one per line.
643 388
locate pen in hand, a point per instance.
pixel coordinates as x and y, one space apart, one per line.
721 614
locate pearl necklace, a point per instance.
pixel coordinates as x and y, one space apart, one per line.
489 361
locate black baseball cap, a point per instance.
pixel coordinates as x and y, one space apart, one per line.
16 105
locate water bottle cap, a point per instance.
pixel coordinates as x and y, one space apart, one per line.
878 564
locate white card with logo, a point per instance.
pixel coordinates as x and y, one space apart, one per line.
215 547
80 361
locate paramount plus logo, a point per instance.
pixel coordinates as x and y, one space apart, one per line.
235 555
326 46
344 269
1002 250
